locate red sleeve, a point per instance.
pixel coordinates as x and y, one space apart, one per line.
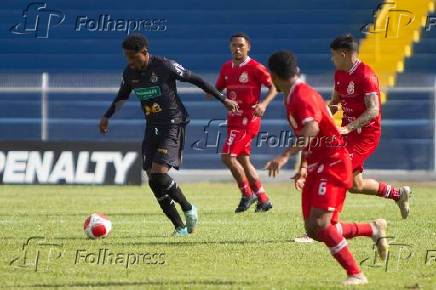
263 76
308 108
370 83
221 81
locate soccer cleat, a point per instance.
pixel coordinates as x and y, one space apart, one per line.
403 202
263 206
180 232
245 203
304 239
379 237
191 219
353 280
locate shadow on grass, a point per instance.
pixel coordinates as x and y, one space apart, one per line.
196 243
84 214
84 238
136 283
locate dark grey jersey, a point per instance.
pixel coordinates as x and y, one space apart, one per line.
155 87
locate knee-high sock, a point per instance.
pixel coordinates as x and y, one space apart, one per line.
352 230
259 191
339 249
172 189
388 191
166 203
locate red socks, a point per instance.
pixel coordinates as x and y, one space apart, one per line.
388 191
259 191
245 189
339 249
352 230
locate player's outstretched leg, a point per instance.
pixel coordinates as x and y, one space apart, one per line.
401 195
376 230
174 191
319 227
247 198
263 201
159 185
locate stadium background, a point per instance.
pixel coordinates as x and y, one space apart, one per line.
57 77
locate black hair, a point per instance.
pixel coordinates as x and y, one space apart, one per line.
345 42
241 34
135 42
284 64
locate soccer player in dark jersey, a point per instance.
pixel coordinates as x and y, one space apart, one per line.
153 80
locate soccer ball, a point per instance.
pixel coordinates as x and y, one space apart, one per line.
97 226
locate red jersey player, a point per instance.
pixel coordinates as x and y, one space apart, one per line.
243 78
357 91
326 171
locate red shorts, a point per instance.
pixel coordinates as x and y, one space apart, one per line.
238 142
361 146
326 186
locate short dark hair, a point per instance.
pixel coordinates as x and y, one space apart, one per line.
284 64
135 42
241 34
345 42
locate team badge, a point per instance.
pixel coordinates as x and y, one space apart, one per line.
232 95
243 78
154 78
350 88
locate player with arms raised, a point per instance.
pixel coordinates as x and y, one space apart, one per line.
325 173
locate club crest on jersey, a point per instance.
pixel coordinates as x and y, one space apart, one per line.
243 78
350 88
232 95
154 78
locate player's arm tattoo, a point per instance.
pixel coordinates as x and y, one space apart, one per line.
334 102
372 111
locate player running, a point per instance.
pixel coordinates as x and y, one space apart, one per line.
326 171
153 80
243 78
357 91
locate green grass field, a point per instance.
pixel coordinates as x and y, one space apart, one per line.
229 251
